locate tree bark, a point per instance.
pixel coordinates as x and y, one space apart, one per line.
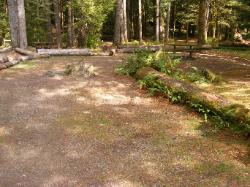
157 34
167 29
56 4
125 26
62 52
13 21
70 26
140 21
17 23
203 21
119 31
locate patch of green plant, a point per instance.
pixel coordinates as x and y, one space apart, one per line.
168 64
201 76
25 65
135 62
143 58
155 86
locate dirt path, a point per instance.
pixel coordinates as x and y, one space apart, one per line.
104 131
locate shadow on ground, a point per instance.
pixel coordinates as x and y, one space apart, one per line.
104 131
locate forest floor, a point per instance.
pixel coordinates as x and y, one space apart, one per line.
234 71
105 131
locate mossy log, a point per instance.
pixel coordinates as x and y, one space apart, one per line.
229 111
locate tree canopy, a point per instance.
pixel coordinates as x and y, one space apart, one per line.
87 22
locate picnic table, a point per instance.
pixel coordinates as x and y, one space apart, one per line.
190 48
44 45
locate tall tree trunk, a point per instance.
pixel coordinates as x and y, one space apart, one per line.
119 31
203 21
140 21
125 23
167 29
47 4
70 26
174 20
17 23
22 25
56 4
13 21
157 33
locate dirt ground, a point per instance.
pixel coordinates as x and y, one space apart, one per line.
104 131
235 73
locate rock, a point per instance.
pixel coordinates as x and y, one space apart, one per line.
80 69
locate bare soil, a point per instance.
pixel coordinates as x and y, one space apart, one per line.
105 131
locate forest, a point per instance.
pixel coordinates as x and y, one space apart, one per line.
124 93
79 23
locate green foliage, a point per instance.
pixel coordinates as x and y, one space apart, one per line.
4 30
90 15
167 64
135 62
202 76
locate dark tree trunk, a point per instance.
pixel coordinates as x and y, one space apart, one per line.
140 20
203 21
167 29
157 27
56 4
119 29
70 26
17 23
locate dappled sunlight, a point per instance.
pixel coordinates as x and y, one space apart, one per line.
57 92
152 169
121 183
236 91
59 180
105 127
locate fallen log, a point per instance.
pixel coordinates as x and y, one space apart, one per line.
138 49
64 52
31 54
6 50
227 110
12 62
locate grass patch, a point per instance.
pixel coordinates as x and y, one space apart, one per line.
25 65
212 169
243 52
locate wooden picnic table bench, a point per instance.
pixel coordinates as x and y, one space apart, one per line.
190 48
44 45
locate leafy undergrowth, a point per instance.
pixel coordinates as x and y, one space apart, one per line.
169 65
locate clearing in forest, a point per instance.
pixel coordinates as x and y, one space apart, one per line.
58 130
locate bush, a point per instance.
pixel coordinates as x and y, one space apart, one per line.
160 61
168 64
